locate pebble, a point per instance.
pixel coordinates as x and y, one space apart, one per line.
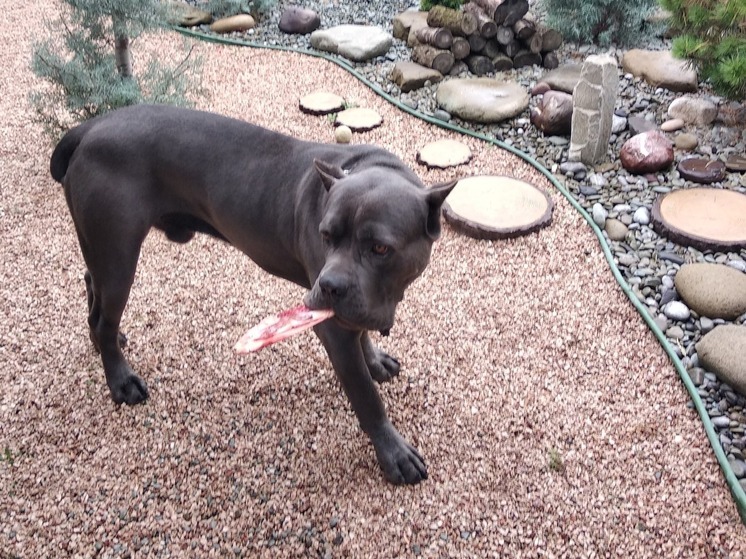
641 216
676 310
721 422
739 468
599 215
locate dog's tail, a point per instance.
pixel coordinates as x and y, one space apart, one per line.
62 154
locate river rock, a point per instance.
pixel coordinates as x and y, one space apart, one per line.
564 78
553 114
616 230
355 42
299 20
660 69
240 22
483 100
648 152
686 141
672 125
721 351
713 290
701 170
693 110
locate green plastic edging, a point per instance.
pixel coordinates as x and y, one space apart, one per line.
736 490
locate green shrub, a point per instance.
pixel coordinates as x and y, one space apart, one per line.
604 22
225 8
712 34
87 63
425 5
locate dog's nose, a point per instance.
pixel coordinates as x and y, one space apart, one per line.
333 286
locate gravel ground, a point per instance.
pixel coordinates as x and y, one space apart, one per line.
551 421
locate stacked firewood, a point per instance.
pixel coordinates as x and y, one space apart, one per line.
485 36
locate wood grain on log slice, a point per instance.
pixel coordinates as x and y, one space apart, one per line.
486 26
504 35
460 48
523 28
533 43
359 119
439 37
550 60
502 62
459 67
476 43
437 59
459 23
512 48
491 49
443 154
511 11
497 207
703 218
488 7
321 103
479 65
550 39
525 57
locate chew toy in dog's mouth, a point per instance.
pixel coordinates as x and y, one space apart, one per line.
281 326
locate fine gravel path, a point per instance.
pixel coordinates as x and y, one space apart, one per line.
552 423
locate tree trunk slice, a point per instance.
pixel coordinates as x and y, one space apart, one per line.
526 58
504 35
321 103
460 48
551 60
550 40
533 43
703 218
439 37
516 9
359 119
459 23
497 207
487 6
502 62
491 49
443 154
476 43
524 29
486 26
479 65
437 59
512 48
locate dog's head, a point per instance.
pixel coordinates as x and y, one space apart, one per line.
377 228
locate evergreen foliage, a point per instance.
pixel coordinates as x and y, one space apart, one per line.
604 22
712 34
88 64
225 8
425 5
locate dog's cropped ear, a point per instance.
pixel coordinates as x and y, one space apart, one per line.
435 196
329 173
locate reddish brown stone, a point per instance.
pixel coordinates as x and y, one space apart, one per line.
298 20
704 171
648 152
553 115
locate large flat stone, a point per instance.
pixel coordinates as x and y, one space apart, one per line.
721 351
410 75
403 22
564 78
355 42
660 69
483 100
713 290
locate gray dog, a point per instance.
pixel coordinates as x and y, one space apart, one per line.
352 224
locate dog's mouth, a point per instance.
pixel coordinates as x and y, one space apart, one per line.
345 319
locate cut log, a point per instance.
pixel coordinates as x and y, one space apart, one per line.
525 57
550 39
486 26
512 48
504 35
533 43
459 23
460 48
439 37
523 29
476 42
459 67
514 10
551 60
488 7
502 63
491 49
479 65
437 59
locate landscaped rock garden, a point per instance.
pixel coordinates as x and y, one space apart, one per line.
664 134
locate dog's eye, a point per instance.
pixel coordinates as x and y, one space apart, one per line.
380 250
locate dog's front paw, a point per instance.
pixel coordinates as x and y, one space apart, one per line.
400 461
381 365
129 389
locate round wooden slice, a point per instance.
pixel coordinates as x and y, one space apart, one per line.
444 153
321 103
704 218
359 119
497 207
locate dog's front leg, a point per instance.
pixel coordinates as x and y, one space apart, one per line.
400 462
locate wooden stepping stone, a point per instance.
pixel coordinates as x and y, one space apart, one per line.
497 207
704 218
736 163
321 103
359 119
701 170
443 154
